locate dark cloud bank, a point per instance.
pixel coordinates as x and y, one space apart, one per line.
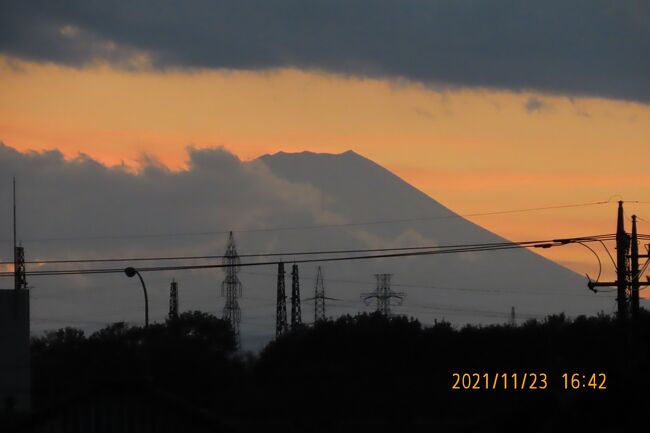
579 47
82 209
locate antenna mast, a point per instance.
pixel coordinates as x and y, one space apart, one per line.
20 279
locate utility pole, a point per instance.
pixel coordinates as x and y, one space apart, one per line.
513 318
20 277
635 273
281 304
231 287
173 300
634 270
622 247
383 294
623 268
296 316
319 297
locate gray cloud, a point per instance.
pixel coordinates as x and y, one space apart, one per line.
535 105
581 47
79 208
82 196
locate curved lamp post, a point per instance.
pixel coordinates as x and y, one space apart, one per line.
131 272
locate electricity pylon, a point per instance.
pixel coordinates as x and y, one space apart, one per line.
383 294
231 287
296 315
173 300
319 297
281 304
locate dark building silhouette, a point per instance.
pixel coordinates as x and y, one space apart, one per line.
14 351
123 407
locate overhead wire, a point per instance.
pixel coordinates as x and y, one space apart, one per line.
298 253
211 266
311 227
485 247
254 255
412 251
419 286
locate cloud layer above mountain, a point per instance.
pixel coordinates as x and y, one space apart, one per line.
79 208
582 47
225 193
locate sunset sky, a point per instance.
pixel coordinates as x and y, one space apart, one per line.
567 124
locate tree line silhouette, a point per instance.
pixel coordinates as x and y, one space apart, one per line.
363 373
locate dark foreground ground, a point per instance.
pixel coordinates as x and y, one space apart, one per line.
356 374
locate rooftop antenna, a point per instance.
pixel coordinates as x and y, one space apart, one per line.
20 279
14 200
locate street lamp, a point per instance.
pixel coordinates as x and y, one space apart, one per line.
131 272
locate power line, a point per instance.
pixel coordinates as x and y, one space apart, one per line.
313 227
486 247
212 266
282 254
302 253
426 287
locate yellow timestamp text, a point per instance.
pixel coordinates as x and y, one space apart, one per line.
584 381
525 381
499 381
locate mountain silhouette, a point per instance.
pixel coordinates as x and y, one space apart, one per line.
286 202
478 287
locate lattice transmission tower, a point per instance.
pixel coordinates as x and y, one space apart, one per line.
173 300
231 287
296 315
383 295
281 304
319 297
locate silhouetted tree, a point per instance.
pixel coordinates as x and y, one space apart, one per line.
367 372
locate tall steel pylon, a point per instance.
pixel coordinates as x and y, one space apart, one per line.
296 315
319 297
173 300
231 287
281 304
383 294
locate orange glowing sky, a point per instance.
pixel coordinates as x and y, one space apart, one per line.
472 150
